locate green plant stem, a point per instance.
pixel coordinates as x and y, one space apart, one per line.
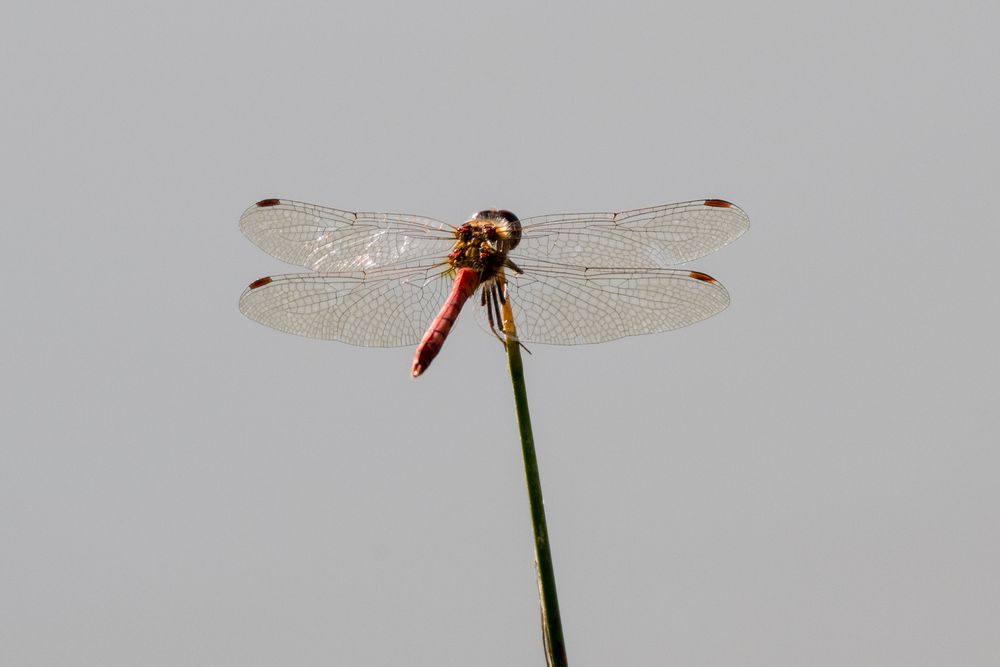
552 635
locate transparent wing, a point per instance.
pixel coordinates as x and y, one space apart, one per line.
566 305
655 237
379 308
328 239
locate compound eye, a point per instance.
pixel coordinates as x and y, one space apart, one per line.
503 214
497 214
509 227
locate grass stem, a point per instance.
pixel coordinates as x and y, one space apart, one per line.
552 635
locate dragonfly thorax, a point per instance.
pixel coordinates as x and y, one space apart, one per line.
483 242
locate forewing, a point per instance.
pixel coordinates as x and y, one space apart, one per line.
655 237
328 239
378 308
576 305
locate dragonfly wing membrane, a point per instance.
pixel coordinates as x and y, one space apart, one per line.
576 305
380 308
331 240
654 237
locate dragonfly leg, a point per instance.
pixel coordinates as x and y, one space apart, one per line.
499 298
492 309
512 266
484 301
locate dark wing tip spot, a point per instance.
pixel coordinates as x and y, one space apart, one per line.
260 282
704 277
718 203
264 203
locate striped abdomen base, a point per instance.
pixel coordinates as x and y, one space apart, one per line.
466 282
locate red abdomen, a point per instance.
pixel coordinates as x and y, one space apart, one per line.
466 282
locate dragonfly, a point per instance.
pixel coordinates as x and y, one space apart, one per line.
390 280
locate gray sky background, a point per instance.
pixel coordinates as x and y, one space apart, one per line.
809 478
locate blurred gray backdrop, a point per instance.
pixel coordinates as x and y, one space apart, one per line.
809 478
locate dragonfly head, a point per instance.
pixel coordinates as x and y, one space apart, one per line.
508 227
